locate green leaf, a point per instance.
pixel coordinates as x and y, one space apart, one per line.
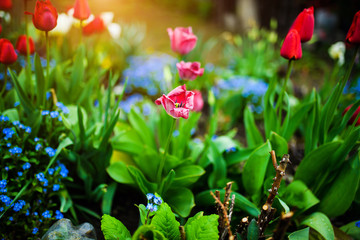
139 124
181 200
120 173
253 135
279 144
253 231
219 165
270 118
341 193
109 130
240 155
205 199
352 230
300 234
164 221
187 175
203 228
63 144
297 194
25 102
255 168
81 125
321 223
223 143
77 73
148 232
40 82
144 185
113 229
108 198
12 113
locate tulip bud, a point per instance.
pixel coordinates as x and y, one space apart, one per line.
182 40
189 71
354 116
304 24
81 9
22 47
95 26
5 5
7 52
45 16
291 47
353 36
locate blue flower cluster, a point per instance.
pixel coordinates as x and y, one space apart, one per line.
50 151
253 89
23 62
55 114
147 72
153 202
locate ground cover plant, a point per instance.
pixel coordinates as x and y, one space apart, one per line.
93 128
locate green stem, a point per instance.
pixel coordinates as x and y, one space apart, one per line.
162 163
28 67
348 72
5 81
147 217
280 100
81 31
47 59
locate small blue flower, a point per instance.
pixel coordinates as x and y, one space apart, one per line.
6 168
35 230
19 205
46 214
8 144
150 206
192 132
54 114
16 123
11 219
28 129
96 103
27 212
6 200
150 196
45 112
20 174
26 166
16 104
214 137
35 213
58 215
176 133
4 118
357 224
63 170
36 139
38 146
50 151
3 183
48 95
15 150
51 171
158 200
1 209
56 187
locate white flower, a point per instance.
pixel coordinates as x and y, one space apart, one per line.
114 30
64 24
337 52
107 17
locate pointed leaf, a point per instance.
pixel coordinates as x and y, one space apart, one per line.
40 82
139 124
139 178
321 223
253 231
203 228
165 222
181 200
120 173
300 234
113 228
297 194
253 135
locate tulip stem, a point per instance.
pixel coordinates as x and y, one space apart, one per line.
281 96
47 59
5 81
81 31
28 67
162 163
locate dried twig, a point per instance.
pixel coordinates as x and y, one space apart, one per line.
182 233
267 211
282 226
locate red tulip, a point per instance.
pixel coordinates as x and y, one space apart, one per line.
353 36
0 28
198 101
81 10
21 45
189 70
291 48
5 5
182 40
353 117
7 52
304 24
45 16
178 102
95 26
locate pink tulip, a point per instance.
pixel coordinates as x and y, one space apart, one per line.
182 40
189 70
198 101
178 102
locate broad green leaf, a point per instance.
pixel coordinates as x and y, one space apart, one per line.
316 162
255 169
341 193
219 165
286 121
139 124
321 223
167 182
240 155
193 218
12 113
25 102
279 144
165 222
144 185
181 200
187 175
312 126
108 198
253 135
241 203
113 229
253 230
297 194
148 232
352 230
224 142
270 118
40 82
203 228
300 234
